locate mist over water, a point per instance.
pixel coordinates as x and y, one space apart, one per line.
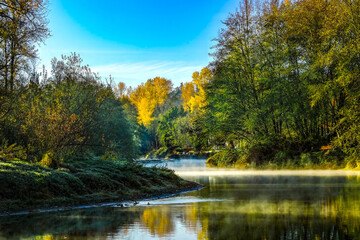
181 165
234 204
197 167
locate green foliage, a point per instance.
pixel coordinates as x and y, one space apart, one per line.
161 152
224 158
280 76
172 129
73 111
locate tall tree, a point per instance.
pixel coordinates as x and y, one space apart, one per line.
23 24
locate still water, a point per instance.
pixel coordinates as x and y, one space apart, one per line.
232 205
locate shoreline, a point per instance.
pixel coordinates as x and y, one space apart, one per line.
269 172
191 186
264 167
27 187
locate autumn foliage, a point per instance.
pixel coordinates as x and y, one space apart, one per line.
193 93
150 97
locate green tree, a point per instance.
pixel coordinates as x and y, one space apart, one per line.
173 129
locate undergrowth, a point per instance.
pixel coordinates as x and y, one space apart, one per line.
264 156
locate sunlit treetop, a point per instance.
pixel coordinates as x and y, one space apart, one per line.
149 96
193 93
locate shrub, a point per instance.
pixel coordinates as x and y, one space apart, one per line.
226 157
50 160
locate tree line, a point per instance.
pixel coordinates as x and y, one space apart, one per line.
284 81
288 73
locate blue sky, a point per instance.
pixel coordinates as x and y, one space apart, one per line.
135 40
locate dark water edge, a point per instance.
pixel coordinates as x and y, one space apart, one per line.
68 204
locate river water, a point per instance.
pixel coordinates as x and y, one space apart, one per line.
232 205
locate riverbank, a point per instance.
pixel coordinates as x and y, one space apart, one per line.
277 160
82 181
167 153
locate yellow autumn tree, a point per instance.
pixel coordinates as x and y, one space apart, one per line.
187 91
193 93
149 97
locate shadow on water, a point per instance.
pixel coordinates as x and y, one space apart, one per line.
86 223
243 206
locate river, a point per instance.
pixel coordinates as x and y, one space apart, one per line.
232 205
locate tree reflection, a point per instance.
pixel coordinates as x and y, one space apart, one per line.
196 221
258 208
158 221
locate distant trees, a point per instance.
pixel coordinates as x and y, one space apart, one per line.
195 103
173 118
172 129
150 97
193 93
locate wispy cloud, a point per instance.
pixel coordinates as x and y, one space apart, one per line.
134 73
86 51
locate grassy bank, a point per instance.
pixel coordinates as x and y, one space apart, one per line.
81 181
262 158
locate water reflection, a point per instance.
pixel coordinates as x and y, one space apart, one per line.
158 221
229 207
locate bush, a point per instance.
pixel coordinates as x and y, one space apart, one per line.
50 160
224 158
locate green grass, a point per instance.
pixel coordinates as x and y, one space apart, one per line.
81 181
